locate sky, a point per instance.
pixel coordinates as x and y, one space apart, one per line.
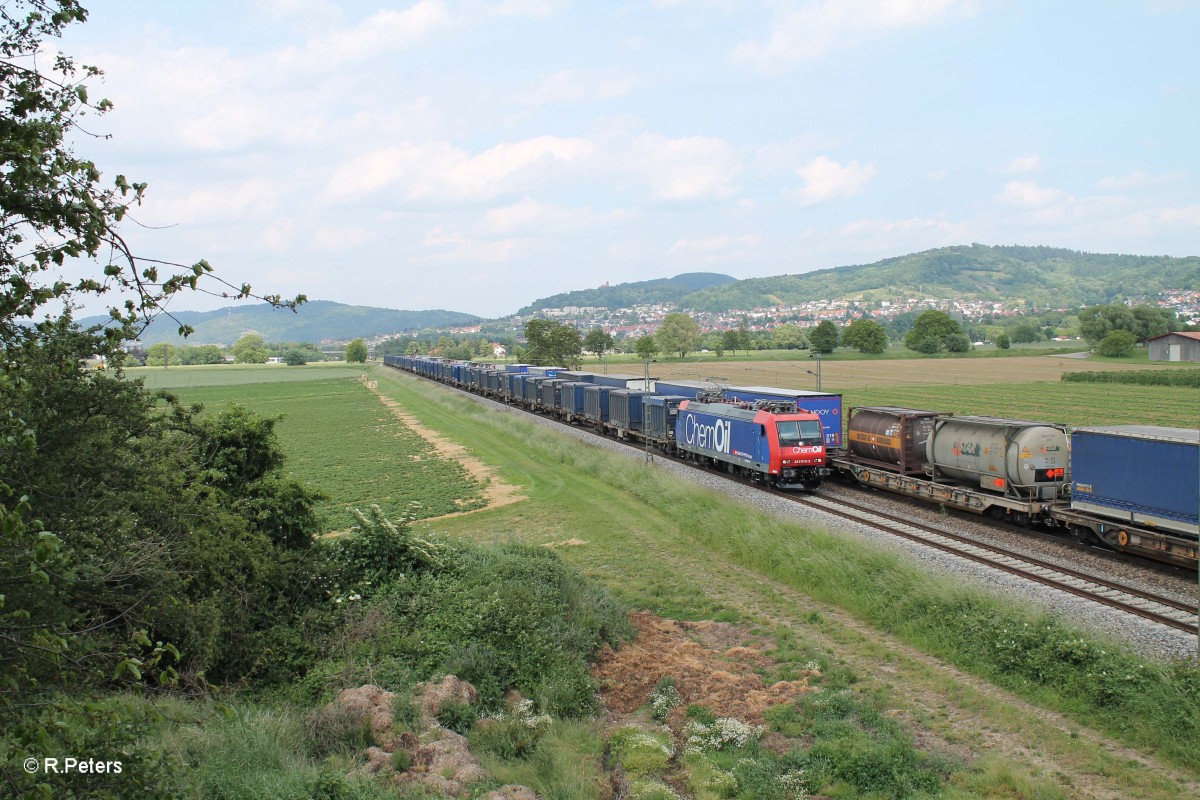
476 156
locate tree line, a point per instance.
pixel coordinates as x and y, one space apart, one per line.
248 349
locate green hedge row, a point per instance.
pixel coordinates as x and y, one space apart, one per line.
1158 377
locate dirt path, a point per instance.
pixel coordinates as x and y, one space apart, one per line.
496 493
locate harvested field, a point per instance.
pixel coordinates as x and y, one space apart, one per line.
837 375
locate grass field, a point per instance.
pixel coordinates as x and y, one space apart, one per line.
338 437
238 374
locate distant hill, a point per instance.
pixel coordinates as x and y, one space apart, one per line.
1045 276
314 321
625 295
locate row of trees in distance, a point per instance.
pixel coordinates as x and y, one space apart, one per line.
249 349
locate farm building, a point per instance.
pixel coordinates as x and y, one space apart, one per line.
1178 346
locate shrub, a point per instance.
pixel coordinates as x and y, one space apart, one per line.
335 729
513 734
1117 344
641 752
723 733
458 717
651 790
665 698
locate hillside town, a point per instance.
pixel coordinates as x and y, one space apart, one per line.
641 320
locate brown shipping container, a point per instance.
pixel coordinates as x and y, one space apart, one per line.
890 438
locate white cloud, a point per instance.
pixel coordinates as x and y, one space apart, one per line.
440 171
1028 194
1137 180
825 179
712 246
255 198
686 168
1023 164
569 86
379 33
451 246
937 174
1186 216
814 29
524 8
531 218
331 239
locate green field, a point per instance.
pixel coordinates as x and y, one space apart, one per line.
338 437
1074 404
238 374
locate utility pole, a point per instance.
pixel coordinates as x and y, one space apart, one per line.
646 387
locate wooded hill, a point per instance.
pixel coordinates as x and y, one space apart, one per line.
312 322
627 295
1044 276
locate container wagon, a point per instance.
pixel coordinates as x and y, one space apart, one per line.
1136 488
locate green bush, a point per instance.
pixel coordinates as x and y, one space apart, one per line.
335 729
855 744
1117 344
458 717
641 752
665 698
511 734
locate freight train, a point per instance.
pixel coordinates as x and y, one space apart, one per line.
1127 487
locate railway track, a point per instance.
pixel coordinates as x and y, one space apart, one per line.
1162 610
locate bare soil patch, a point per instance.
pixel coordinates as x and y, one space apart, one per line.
706 671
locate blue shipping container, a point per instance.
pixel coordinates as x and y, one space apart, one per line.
826 405
1138 474
595 403
625 409
572 397
659 415
688 389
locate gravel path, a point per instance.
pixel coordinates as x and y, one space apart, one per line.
1142 636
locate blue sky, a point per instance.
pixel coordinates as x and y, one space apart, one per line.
478 155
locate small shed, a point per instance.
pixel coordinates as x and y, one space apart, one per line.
1177 346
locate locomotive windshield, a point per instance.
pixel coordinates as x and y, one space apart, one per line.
800 433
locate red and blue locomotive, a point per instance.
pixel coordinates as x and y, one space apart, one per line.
769 442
